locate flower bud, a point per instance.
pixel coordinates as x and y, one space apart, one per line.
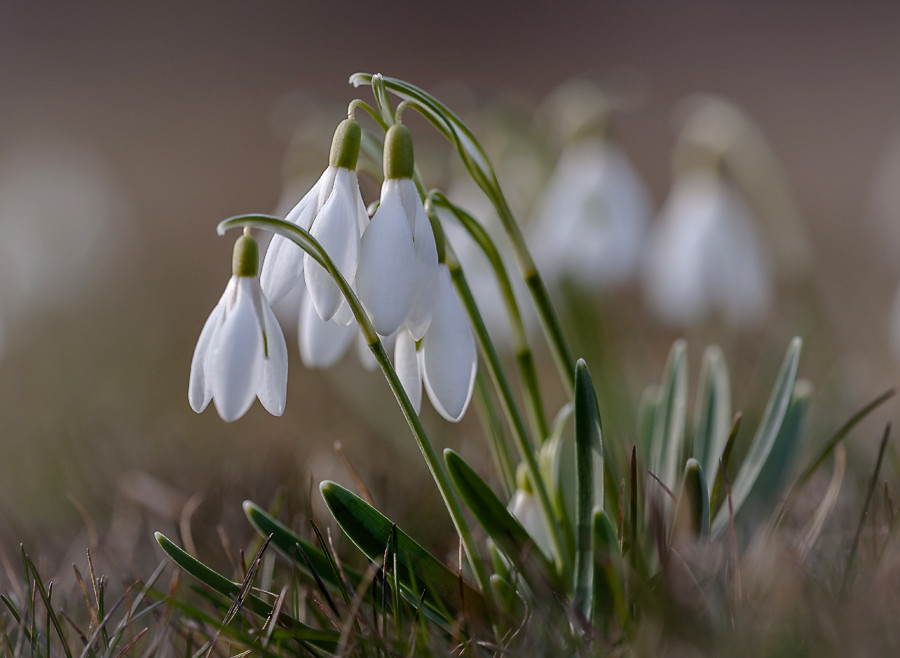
245 261
399 161
345 145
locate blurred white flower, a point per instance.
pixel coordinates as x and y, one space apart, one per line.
706 254
241 353
445 359
592 217
61 213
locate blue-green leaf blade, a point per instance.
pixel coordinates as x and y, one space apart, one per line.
712 415
765 437
369 530
496 520
226 587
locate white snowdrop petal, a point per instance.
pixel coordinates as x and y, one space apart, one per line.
236 354
524 508
406 363
199 388
336 228
409 199
322 344
386 276
449 359
362 214
282 266
325 186
427 274
272 391
344 315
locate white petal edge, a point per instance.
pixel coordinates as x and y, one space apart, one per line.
386 276
199 388
427 276
336 228
322 344
272 391
282 266
406 363
449 358
236 354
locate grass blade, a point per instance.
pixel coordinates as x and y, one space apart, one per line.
499 524
219 583
369 529
289 543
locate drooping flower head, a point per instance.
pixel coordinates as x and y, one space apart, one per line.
706 254
592 216
334 214
397 274
241 353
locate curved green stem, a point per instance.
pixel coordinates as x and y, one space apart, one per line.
359 103
514 417
482 172
306 242
524 357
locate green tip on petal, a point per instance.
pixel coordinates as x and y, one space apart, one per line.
245 261
399 161
345 145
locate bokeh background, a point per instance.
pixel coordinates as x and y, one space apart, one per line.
128 130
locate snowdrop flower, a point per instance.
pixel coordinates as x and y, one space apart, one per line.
524 508
324 344
241 353
592 216
706 254
444 359
334 214
397 274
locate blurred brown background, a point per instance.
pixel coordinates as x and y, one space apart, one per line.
177 102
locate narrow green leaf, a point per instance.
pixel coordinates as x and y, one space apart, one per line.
766 434
499 524
588 480
286 541
219 583
606 587
646 414
725 458
712 417
774 475
50 612
557 463
692 512
669 419
369 529
504 594
499 562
